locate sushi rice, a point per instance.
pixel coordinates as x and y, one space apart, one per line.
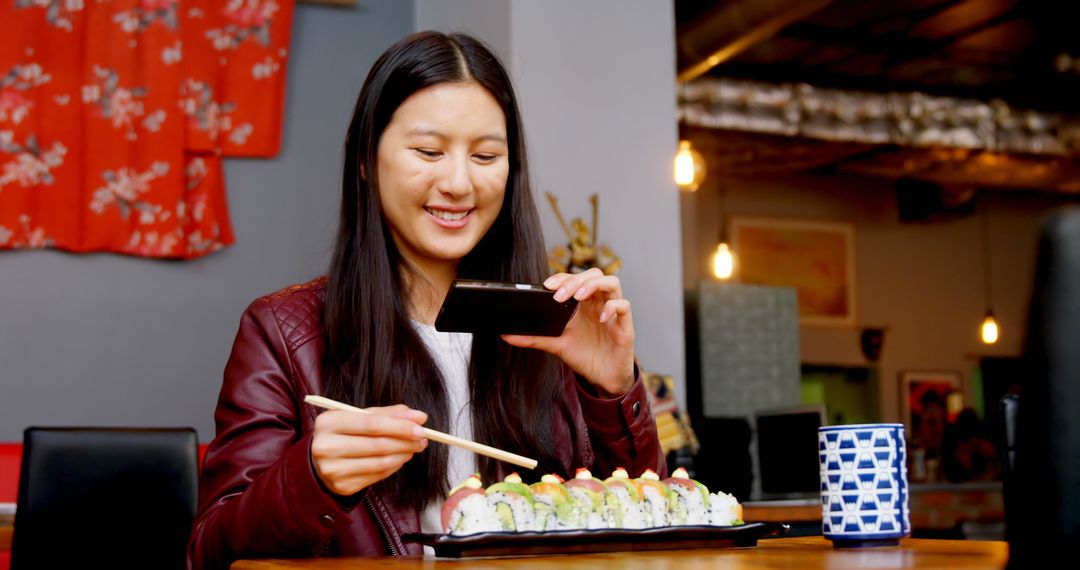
513 504
588 503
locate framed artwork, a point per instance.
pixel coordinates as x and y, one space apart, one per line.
661 391
815 258
928 401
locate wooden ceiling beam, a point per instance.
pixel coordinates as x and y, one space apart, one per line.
897 46
897 57
733 27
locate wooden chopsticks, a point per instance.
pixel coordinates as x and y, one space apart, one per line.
433 435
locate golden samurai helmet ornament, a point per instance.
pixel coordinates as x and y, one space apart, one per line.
582 252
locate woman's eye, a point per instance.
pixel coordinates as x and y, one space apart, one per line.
485 157
428 153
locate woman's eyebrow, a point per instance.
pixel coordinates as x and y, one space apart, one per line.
426 131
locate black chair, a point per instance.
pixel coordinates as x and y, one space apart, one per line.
1042 488
1010 412
108 497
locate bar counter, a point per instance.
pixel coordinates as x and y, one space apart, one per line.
802 552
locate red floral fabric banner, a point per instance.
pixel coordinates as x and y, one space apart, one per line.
115 114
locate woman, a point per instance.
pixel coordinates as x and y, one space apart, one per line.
435 187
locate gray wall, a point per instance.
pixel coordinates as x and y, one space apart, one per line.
485 19
596 85
110 340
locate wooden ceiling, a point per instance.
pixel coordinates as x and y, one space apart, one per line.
1024 52
982 49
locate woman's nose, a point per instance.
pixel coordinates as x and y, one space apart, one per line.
456 178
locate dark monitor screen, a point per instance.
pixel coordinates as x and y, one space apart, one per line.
787 444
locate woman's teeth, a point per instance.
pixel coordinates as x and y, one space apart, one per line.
449 216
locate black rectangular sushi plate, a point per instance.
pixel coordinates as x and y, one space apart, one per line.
534 543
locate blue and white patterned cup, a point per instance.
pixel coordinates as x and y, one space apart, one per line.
864 486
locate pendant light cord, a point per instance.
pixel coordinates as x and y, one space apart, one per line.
723 210
987 273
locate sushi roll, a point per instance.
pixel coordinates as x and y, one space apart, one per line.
658 500
591 497
724 510
552 505
466 509
628 498
692 499
512 502
586 502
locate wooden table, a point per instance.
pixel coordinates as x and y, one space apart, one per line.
934 506
804 552
783 511
7 527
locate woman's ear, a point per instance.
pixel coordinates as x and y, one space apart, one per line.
363 172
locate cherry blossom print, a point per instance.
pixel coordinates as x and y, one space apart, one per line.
203 111
195 171
199 245
30 165
239 136
153 121
122 106
25 236
145 13
124 187
15 105
172 54
267 68
153 244
115 116
24 77
246 19
57 12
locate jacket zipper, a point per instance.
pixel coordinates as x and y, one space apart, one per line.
382 526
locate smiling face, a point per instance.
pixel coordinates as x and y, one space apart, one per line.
443 164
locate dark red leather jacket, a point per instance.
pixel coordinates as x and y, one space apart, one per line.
259 495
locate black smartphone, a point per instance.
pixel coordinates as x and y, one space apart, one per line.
503 308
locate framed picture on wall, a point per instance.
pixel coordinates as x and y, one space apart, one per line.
815 258
928 401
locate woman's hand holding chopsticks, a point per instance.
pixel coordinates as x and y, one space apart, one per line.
352 451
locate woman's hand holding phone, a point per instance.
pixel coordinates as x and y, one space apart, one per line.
598 342
352 451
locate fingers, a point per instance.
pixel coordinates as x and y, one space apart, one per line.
340 446
376 424
614 308
582 286
545 343
351 451
348 476
401 411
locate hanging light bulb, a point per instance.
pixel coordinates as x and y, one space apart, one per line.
723 262
989 329
689 167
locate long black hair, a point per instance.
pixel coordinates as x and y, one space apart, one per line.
373 355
